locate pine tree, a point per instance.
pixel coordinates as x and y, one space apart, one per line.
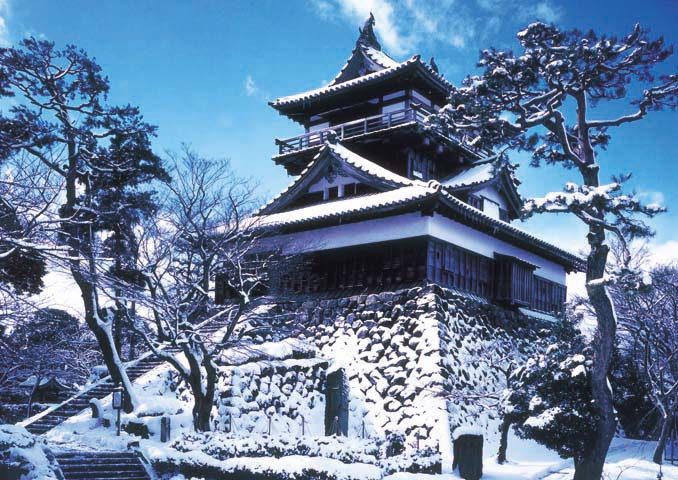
551 399
541 101
62 120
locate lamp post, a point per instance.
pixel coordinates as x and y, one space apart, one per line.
118 394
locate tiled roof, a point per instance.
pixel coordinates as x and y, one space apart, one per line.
403 196
371 77
368 166
379 59
338 208
472 176
351 158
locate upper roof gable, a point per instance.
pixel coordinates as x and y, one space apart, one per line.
366 57
368 64
492 171
334 159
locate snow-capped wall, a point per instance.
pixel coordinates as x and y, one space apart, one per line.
285 392
414 358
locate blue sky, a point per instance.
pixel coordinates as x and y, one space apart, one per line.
203 71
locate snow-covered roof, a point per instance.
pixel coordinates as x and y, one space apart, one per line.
412 194
350 205
349 161
375 59
368 166
46 381
483 172
472 176
411 63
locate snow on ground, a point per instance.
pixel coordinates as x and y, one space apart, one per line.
628 459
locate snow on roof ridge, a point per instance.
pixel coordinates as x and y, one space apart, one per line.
380 58
349 205
332 87
369 166
352 158
348 83
394 197
448 196
474 175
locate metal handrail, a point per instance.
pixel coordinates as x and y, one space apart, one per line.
351 129
383 121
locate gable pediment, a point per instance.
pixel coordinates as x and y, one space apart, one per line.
491 180
335 166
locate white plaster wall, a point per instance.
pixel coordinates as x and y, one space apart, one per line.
323 184
466 237
377 230
408 226
493 194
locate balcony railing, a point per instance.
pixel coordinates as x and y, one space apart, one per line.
416 113
352 129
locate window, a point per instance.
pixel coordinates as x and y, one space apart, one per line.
394 107
332 193
422 167
454 267
504 215
349 190
514 280
475 201
421 99
394 95
548 296
318 126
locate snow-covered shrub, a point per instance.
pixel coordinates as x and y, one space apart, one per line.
222 447
427 460
551 395
394 444
25 457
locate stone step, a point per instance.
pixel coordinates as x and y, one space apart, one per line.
105 388
101 466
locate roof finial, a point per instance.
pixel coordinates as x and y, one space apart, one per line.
434 65
331 137
367 36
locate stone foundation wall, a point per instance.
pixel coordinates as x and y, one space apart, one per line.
290 392
415 357
416 361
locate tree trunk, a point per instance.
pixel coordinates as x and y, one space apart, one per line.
79 238
29 408
658 455
503 440
202 403
590 466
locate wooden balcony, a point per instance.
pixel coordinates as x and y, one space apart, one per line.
412 115
352 129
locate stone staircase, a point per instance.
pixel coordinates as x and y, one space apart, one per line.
80 402
79 465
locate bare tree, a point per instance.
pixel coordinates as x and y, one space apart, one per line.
500 357
649 318
205 231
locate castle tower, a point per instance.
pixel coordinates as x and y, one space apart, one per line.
381 201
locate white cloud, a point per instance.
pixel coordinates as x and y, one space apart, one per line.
251 88
546 12
4 32
652 197
663 253
405 26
